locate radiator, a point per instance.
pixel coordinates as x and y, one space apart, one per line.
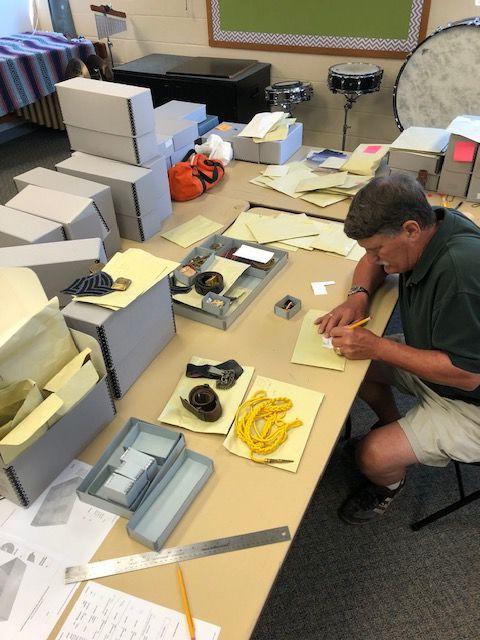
44 111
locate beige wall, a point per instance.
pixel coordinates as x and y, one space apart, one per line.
180 27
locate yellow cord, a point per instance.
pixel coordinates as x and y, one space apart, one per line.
262 440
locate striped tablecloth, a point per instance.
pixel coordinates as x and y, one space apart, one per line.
31 64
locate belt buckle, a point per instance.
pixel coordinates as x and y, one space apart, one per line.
226 380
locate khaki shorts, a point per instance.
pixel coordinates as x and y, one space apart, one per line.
439 429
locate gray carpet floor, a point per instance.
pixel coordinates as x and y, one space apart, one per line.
378 581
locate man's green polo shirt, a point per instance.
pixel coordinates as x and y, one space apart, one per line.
440 298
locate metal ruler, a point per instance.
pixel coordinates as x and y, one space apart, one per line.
175 554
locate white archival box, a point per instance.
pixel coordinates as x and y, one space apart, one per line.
18 227
135 190
57 264
109 145
101 195
76 214
110 107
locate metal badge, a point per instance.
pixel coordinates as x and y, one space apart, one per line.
121 284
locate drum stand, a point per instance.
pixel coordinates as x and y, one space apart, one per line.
350 99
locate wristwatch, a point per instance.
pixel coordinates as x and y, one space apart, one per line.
357 289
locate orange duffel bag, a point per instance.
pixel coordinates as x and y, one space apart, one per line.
193 176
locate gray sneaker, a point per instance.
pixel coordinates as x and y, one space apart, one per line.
368 503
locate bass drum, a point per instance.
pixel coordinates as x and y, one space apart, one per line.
437 81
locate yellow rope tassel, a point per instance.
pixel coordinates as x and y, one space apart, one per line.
265 438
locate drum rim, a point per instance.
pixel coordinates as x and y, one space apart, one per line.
332 71
289 84
465 22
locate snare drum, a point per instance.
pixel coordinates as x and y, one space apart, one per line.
288 92
437 81
354 78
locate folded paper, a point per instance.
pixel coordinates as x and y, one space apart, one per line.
309 348
306 404
175 413
260 124
322 182
17 401
272 230
73 381
192 231
365 163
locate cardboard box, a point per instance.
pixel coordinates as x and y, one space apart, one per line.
78 216
18 227
99 193
432 179
453 165
452 183
144 227
169 442
135 190
108 145
30 473
182 132
280 152
474 189
414 161
148 322
207 125
193 111
57 264
109 107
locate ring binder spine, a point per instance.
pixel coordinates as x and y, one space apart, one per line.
17 486
136 204
104 222
140 229
112 376
137 152
132 119
64 233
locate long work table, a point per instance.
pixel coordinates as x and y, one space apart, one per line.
241 496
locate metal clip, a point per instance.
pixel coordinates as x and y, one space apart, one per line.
121 284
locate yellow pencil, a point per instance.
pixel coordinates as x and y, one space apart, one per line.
359 323
186 606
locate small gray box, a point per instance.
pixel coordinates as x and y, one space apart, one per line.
144 227
57 264
453 183
108 145
245 149
162 509
226 130
281 151
210 307
181 131
474 189
414 161
99 193
453 165
130 338
18 227
171 443
432 179
193 111
287 313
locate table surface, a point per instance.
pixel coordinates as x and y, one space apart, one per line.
230 589
236 184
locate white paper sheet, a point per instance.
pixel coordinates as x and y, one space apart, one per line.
37 591
320 288
260 124
252 253
67 529
107 614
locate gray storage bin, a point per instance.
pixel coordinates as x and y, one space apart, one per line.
287 313
209 307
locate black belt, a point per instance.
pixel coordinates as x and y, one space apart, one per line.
226 373
209 282
203 402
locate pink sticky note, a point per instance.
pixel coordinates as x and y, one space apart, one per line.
373 148
464 151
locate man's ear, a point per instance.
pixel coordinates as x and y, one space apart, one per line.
412 229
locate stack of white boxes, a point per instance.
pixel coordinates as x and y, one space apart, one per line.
458 167
111 127
178 121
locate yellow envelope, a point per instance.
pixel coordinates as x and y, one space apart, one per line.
276 170
306 404
309 347
29 430
281 228
356 253
192 231
231 270
262 181
16 402
38 348
239 229
322 181
288 184
322 199
277 134
366 159
74 381
176 414
333 239
141 267
25 295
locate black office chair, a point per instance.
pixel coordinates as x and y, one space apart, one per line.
464 500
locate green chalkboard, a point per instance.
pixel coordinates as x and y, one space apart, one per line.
359 27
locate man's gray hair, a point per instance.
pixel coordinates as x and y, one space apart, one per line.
384 204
